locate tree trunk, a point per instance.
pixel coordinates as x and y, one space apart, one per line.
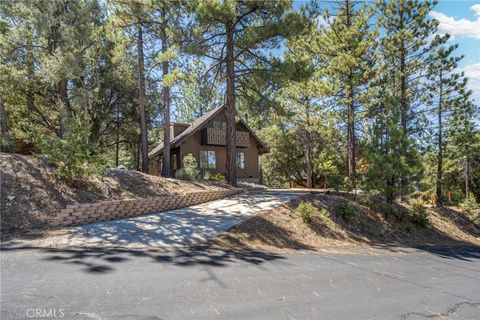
438 189
139 151
403 102
65 107
94 136
4 124
31 74
117 137
351 150
309 168
467 176
230 107
141 87
352 169
166 104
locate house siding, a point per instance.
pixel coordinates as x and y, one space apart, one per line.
193 145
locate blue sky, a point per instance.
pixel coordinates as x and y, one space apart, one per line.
461 19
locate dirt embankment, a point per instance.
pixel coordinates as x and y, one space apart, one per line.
283 229
30 195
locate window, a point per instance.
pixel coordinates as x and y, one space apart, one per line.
219 125
241 160
207 160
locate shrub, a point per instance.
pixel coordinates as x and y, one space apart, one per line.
335 182
7 145
420 214
469 204
306 211
189 171
213 177
324 214
346 211
73 156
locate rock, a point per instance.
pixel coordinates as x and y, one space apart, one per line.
10 198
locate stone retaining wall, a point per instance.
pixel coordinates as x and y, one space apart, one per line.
109 210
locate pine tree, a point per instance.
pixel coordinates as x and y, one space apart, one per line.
233 35
444 87
405 48
349 45
168 26
303 97
198 93
463 144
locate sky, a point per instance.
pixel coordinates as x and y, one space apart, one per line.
460 19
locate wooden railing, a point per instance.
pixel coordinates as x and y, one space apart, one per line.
218 137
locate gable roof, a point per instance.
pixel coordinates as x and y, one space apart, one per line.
199 124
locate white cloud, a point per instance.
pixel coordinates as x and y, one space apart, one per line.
322 22
476 9
472 71
459 27
475 87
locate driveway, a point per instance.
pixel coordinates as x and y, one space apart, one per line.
213 283
177 227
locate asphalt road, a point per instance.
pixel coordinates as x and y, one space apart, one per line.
186 283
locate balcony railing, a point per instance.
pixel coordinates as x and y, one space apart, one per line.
218 137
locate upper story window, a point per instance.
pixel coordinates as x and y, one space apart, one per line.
207 160
220 125
241 160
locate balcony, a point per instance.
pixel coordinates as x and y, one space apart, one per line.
217 137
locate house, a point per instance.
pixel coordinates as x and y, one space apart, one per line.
205 139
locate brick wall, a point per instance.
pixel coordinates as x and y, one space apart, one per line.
109 210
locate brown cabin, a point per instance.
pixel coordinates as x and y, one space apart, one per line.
205 139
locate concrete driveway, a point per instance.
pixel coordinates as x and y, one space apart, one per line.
177 227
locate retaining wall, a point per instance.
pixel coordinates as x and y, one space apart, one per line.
109 210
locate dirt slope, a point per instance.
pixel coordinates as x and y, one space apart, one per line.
282 228
30 195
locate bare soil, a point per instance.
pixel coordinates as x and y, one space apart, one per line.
30 195
282 228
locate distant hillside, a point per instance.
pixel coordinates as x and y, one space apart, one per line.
30 195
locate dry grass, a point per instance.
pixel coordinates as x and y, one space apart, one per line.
283 229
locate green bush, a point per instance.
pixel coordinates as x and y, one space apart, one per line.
384 208
7 145
470 205
324 214
335 182
346 211
306 211
213 177
420 214
190 170
73 156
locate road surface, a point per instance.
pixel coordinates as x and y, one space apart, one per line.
209 283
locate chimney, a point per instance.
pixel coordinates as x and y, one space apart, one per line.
177 128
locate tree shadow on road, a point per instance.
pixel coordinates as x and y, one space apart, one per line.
102 260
